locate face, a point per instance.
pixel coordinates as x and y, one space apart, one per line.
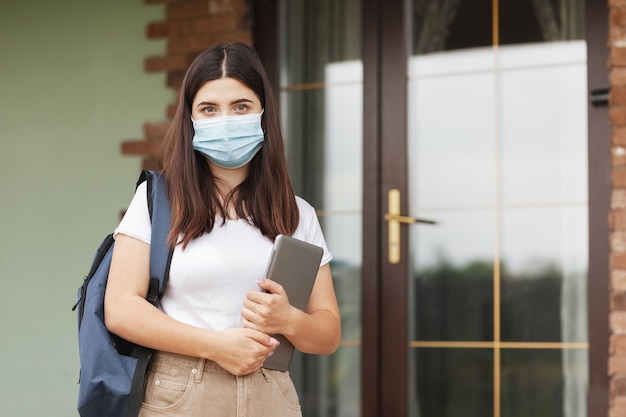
224 97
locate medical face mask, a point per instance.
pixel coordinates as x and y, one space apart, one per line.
229 141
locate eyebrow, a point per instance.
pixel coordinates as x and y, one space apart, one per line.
210 103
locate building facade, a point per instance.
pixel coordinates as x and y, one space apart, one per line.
467 161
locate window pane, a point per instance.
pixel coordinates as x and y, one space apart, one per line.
539 382
452 286
321 106
452 382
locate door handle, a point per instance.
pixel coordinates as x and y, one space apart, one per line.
395 219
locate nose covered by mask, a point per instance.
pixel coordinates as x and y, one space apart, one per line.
229 141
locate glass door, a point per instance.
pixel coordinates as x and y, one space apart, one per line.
497 149
472 114
321 91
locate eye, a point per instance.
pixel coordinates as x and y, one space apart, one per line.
208 110
241 107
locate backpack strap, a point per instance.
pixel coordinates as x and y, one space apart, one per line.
160 252
160 259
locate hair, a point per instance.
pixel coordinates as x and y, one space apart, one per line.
266 197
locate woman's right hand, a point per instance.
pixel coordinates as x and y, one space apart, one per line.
243 351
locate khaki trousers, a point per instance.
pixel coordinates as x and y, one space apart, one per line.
178 385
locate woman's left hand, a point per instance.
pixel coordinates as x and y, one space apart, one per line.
269 310
316 330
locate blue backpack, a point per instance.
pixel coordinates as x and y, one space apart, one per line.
112 369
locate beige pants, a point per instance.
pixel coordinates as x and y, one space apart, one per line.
179 385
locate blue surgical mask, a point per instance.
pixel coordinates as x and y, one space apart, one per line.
229 141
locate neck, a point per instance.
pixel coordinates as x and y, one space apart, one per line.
227 179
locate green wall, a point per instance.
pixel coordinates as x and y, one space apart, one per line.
72 88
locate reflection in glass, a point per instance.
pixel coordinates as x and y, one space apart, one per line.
547 85
451 137
534 382
318 32
530 21
446 25
452 270
451 382
498 156
544 266
321 106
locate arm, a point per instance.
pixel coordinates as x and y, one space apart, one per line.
318 330
129 315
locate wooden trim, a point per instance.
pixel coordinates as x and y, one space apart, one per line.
599 148
394 174
372 210
266 35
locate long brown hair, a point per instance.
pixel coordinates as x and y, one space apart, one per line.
266 196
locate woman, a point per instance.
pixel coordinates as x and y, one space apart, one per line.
224 164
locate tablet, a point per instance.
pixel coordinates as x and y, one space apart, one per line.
294 265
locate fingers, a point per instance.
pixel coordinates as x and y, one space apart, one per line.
264 339
270 286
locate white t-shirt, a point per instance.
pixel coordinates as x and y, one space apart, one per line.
209 280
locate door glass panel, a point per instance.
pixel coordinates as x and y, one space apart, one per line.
321 106
453 382
497 156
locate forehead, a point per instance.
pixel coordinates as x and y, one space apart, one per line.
224 90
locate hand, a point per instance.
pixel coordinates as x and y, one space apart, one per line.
270 311
243 351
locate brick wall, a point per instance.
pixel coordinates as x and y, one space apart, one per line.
617 109
190 26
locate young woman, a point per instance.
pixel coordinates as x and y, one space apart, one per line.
224 164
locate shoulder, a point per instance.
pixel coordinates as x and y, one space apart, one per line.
303 205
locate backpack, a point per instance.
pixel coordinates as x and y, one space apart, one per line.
112 369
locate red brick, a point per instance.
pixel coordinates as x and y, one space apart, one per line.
155 130
158 30
244 36
618 156
618 344
619 136
619 407
140 147
166 63
216 24
617 115
617 57
194 43
618 77
617 3
617 16
618 386
175 79
618 301
617 96
618 260
617 34
618 177
217 7
617 220
171 110
618 241
618 199
617 320
187 10
618 280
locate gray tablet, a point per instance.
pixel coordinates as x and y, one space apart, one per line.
294 265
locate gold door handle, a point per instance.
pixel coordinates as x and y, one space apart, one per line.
395 218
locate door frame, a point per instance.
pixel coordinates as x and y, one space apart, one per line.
384 389
599 197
